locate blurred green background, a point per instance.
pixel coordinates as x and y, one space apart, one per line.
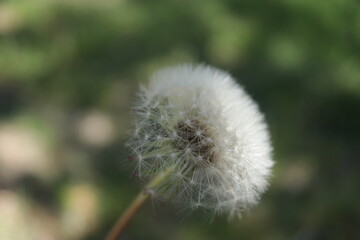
69 70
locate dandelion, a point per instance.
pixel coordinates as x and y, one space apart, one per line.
202 140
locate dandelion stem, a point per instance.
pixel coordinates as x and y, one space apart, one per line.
140 199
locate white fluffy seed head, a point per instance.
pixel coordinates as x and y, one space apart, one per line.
199 120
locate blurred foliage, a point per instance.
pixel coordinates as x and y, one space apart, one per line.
68 73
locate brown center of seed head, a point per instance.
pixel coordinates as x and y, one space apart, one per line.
195 136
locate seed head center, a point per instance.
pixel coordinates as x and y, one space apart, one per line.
194 135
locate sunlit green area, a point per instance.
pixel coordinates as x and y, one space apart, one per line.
69 70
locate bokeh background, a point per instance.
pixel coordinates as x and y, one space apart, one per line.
69 70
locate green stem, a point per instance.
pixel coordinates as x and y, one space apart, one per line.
140 199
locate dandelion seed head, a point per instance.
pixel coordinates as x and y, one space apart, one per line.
199 121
